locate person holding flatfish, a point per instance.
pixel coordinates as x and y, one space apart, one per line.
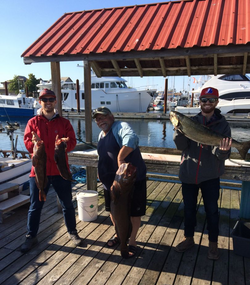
43 135
119 161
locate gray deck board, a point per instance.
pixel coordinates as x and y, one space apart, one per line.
55 260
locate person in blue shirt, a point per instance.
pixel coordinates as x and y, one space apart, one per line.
118 144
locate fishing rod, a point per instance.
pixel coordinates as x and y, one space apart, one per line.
90 145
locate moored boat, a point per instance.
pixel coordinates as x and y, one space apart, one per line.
16 105
234 94
111 92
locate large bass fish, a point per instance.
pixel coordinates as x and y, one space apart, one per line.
39 161
121 194
60 159
202 134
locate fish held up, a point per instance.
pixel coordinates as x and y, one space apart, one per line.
39 161
202 134
121 194
60 159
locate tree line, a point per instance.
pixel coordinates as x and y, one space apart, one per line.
29 85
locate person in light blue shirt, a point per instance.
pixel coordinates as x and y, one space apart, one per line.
118 144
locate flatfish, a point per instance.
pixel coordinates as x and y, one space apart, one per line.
39 161
121 194
60 159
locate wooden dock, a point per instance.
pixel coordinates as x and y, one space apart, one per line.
55 260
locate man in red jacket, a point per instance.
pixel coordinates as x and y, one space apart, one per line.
46 126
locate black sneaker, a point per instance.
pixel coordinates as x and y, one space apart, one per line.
29 243
75 238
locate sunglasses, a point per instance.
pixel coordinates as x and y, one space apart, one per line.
45 100
211 100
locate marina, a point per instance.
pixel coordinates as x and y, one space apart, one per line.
162 39
154 128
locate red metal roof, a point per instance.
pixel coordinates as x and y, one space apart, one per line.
157 26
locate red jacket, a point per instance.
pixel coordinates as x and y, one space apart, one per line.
47 131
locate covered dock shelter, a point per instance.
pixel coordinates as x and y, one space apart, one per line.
161 39
189 37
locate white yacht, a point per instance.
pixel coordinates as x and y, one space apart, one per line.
234 94
111 92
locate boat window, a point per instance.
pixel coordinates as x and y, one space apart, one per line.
2 101
106 85
10 102
102 85
234 77
93 85
102 102
69 85
65 96
82 96
113 85
121 84
97 85
235 96
108 103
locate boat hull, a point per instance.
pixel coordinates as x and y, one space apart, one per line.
233 106
135 101
16 112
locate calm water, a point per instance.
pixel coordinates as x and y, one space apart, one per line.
151 133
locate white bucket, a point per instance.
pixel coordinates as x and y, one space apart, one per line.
87 203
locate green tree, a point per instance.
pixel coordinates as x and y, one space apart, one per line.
31 83
15 85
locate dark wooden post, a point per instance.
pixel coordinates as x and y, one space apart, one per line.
6 87
165 95
78 96
192 98
56 84
91 172
56 87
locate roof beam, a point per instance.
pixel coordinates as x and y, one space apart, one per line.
215 64
173 53
139 68
117 67
188 65
163 67
244 68
96 68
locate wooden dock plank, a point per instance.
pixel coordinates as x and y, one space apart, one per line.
55 260
220 274
236 263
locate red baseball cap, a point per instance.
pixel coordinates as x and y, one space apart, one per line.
209 91
47 92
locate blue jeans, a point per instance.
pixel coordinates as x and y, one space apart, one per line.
64 193
210 193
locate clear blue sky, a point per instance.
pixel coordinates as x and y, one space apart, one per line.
22 22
